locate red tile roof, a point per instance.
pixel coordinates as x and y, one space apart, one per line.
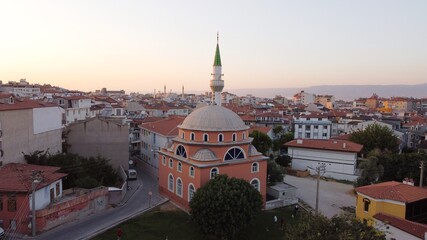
16 177
165 127
413 228
27 104
396 191
259 129
326 144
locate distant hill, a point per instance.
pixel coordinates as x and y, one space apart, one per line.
341 92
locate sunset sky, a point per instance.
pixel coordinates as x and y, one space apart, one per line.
144 45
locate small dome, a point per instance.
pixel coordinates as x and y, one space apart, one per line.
204 155
213 118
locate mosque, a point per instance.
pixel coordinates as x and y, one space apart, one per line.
212 140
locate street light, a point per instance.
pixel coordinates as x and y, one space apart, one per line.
319 170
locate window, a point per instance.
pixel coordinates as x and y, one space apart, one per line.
254 167
255 183
233 154
316 127
214 172
220 137
191 173
307 135
243 136
307 128
182 135
170 163
164 160
192 136
324 134
191 191
234 137
58 189
205 137
11 202
180 151
179 187
170 183
366 203
179 167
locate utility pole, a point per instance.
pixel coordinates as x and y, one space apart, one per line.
319 169
421 173
36 178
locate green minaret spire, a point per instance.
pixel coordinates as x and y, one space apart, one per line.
217 60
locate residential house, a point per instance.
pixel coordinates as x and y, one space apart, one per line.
28 126
312 126
77 108
399 205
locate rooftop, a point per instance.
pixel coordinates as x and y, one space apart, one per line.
326 144
392 190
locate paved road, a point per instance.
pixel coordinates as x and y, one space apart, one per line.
332 195
134 203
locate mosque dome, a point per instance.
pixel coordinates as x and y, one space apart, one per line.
213 118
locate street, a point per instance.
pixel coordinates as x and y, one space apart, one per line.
136 201
332 195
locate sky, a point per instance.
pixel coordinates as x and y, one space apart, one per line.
140 46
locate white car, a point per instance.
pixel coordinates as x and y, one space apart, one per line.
1 233
132 174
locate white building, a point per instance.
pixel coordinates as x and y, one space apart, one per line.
304 98
339 157
312 126
76 108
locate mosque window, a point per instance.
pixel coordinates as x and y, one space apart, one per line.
192 136
243 136
170 163
255 167
170 183
234 153
191 191
182 135
179 187
164 160
179 167
220 137
255 183
191 173
205 137
214 172
180 151
234 137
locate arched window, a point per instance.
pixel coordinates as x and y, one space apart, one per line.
179 167
179 187
191 173
254 167
170 183
192 136
164 160
180 151
255 183
214 172
243 136
182 135
191 191
234 137
220 137
234 153
170 163
205 137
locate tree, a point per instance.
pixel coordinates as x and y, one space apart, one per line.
400 166
261 141
376 136
340 227
224 206
282 139
371 171
82 172
284 160
274 173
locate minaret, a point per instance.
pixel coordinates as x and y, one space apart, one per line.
217 84
182 96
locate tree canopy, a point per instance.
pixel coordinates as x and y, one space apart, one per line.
224 206
372 171
376 136
82 172
340 227
261 141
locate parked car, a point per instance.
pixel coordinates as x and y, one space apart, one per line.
1 233
132 174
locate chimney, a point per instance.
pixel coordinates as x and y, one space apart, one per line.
344 145
299 141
